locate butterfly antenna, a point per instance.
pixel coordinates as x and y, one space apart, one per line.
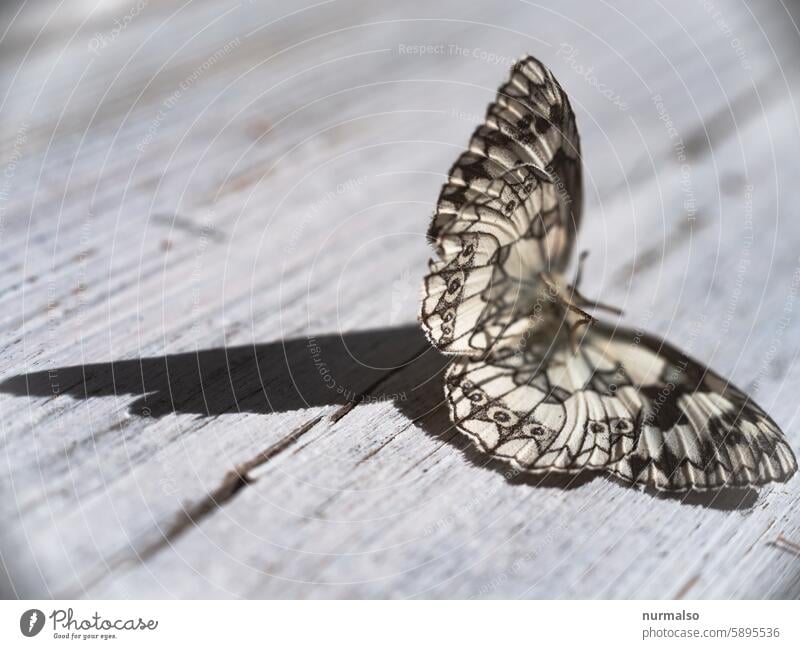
602 307
574 343
580 299
592 304
581 263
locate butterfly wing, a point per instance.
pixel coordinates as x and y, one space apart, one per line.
539 408
623 402
696 429
509 210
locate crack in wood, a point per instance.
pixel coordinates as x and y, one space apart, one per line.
683 590
238 478
342 411
379 448
178 222
234 481
359 398
782 543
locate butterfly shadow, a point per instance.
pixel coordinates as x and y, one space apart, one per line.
394 363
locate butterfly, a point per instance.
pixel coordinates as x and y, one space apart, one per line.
536 380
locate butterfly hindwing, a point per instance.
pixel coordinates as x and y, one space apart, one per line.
622 402
536 409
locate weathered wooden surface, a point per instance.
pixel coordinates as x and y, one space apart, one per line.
208 212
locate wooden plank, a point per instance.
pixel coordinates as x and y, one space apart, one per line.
178 288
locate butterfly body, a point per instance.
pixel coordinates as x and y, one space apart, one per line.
536 379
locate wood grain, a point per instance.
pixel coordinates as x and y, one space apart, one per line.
212 226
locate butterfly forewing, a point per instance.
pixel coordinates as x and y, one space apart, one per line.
508 211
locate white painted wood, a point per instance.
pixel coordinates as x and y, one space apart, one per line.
283 194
